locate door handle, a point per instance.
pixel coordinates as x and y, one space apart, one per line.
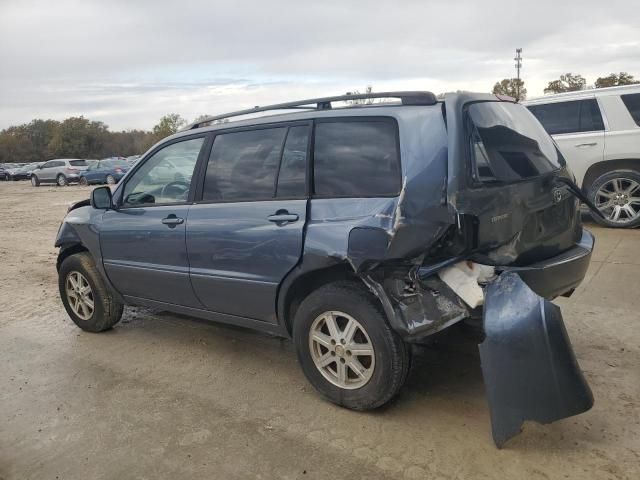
282 216
590 144
172 221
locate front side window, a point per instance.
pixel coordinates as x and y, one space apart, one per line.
508 144
165 177
243 165
569 117
356 159
632 102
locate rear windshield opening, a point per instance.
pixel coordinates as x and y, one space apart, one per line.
508 144
78 163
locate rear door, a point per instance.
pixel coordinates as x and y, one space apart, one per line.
502 166
244 234
143 239
578 129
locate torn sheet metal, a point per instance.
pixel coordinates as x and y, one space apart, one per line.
529 368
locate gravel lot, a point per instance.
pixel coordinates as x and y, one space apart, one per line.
161 396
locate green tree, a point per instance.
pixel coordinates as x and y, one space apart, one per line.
511 87
168 125
614 80
80 138
566 83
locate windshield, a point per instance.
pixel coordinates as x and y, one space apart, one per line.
509 144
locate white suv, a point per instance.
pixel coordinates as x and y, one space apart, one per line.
598 133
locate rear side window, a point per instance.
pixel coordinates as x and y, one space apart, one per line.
78 163
569 117
356 159
243 165
632 102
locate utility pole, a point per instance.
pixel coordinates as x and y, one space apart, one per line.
518 60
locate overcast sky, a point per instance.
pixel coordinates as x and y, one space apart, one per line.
129 62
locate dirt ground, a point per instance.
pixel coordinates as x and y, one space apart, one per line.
161 396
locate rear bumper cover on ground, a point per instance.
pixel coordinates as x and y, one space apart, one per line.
528 364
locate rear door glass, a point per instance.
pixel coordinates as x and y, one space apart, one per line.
243 165
632 102
356 158
293 167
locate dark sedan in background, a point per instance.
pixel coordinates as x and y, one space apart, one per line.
21 172
108 171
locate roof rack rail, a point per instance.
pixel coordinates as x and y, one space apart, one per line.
324 103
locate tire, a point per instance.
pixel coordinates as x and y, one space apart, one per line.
106 310
35 181
385 372
110 180
61 180
625 200
83 181
7 177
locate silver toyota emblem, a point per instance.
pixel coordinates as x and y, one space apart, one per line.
557 195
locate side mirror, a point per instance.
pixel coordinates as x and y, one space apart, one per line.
101 198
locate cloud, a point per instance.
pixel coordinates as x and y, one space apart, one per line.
128 63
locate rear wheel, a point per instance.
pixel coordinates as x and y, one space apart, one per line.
110 180
617 196
346 348
35 181
61 180
86 298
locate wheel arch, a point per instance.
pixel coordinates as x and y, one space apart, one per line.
67 250
300 283
600 168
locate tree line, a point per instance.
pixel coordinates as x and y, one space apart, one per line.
79 137
568 82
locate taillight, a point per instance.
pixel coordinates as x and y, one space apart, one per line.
118 170
72 170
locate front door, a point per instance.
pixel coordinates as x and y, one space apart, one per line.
143 239
245 234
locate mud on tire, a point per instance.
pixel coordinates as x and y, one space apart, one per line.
106 311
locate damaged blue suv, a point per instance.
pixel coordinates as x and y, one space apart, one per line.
355 230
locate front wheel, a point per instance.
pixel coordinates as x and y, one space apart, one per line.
85 296
617 196
83 181
346 348
61 180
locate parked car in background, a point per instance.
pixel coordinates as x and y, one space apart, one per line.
3 168
23 172
104 171
354 231
60 171
598 132
133 159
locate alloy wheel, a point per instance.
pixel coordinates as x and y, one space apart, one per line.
341 350
79 295
619 200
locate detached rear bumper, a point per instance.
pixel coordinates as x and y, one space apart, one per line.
558 275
